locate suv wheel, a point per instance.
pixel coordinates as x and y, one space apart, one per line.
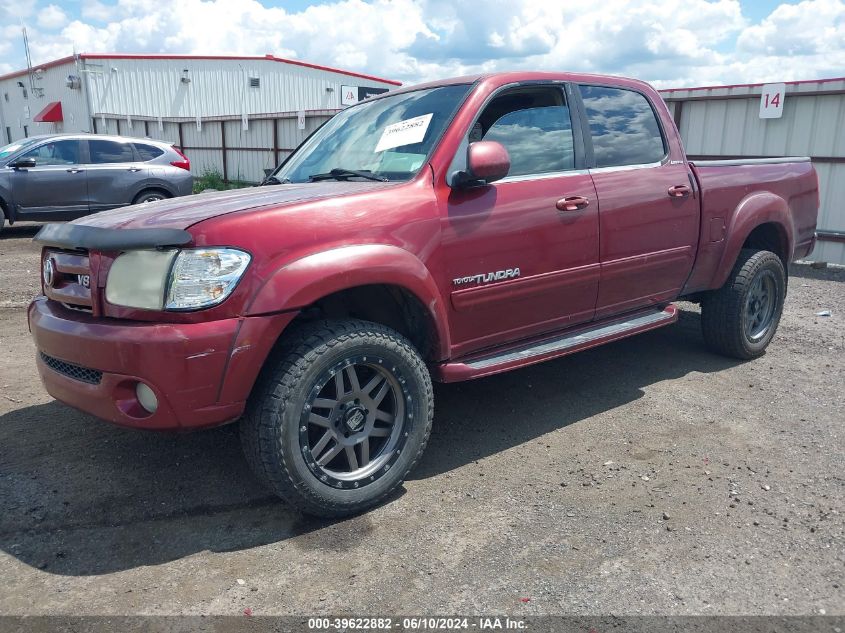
149 196
740 318
339 417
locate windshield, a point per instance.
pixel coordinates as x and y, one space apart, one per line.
11 148
390 138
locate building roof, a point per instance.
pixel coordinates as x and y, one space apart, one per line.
273 58
755 85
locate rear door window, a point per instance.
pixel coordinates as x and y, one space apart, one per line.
105 152
148 152
623 127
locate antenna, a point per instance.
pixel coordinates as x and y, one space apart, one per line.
38 92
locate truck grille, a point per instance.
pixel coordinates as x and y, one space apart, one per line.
82 374
71 280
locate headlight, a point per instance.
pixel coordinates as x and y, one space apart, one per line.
175 280
203 277
138 279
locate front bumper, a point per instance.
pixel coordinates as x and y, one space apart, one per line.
201 373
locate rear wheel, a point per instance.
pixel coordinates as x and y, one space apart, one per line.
740 318
339 418
150 195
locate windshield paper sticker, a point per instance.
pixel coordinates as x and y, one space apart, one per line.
405 132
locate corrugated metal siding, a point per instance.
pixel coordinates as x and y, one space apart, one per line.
720 122
154 88
248 153
17 112
129 96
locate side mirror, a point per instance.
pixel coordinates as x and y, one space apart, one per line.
487 161
23 163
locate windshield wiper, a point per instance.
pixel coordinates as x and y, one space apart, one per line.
339 173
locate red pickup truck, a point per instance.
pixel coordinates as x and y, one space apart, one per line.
444 231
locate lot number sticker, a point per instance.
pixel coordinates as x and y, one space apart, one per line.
405 132
771 101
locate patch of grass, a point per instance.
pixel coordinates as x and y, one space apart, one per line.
213 179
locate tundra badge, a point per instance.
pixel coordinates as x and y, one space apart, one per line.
483 278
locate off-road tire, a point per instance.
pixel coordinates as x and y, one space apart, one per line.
724 311
276 411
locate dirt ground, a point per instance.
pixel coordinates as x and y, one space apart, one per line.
647 476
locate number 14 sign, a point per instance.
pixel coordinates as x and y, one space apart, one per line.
771 101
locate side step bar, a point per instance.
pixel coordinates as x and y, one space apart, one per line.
554 346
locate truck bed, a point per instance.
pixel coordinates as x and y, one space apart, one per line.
735 191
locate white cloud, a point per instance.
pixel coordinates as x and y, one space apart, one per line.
668 42
806 28
13 10
93 10
51 17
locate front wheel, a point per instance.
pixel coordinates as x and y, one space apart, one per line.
339 417
740 318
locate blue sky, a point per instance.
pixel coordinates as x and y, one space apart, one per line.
667 42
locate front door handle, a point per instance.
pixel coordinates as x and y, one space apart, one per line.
679 191
75 170
572 203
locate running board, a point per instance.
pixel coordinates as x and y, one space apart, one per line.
554 346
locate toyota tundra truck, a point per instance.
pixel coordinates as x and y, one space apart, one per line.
445 231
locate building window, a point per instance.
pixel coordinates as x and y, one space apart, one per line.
6 96
254 82
8 135
25 131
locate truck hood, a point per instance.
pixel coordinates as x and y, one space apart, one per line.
181 213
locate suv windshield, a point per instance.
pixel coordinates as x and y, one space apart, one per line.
11 148
389 138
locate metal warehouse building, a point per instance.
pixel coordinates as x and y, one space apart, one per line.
234 115
725 122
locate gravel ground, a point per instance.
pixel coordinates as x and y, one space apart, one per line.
646 476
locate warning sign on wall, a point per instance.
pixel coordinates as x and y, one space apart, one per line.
350 95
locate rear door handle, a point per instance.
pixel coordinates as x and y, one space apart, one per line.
679 191
75 170
134 169
572 203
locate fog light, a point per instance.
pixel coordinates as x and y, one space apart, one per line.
146 397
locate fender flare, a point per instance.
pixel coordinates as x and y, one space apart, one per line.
755 209
300 283
151 185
